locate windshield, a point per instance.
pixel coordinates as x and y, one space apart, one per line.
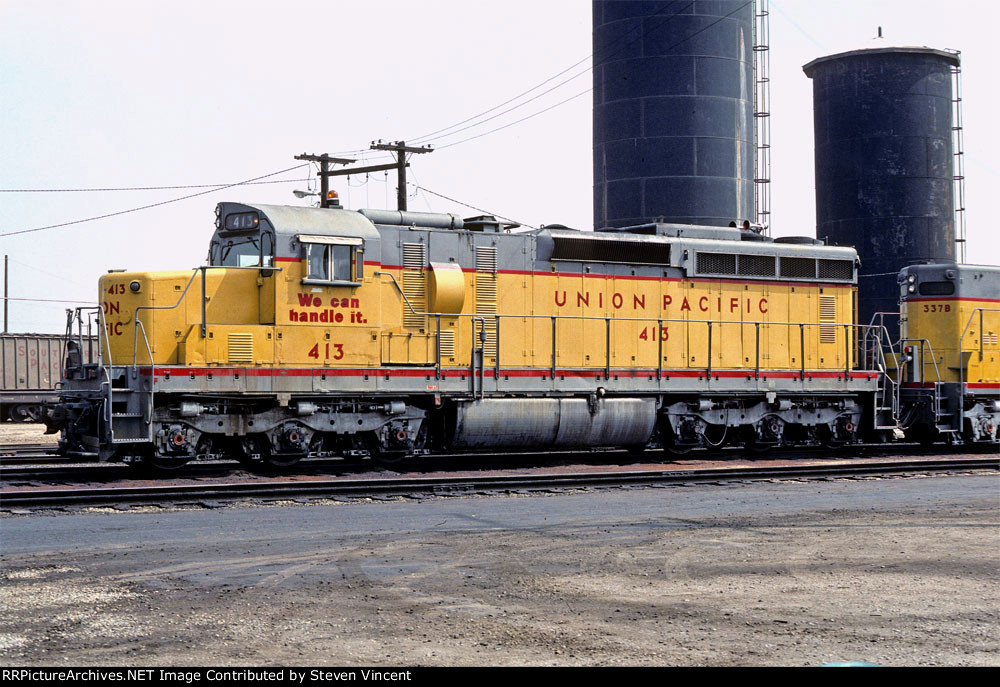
242 252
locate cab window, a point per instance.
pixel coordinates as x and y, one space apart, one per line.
245 251
937 288
333 259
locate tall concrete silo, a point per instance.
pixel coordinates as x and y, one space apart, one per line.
673 112
884 162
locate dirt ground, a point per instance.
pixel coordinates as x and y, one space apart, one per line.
25 433
898 571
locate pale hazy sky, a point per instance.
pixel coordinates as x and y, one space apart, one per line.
123 94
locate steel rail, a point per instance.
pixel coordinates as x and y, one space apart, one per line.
52 466
408 486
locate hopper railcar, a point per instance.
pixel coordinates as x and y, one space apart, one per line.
319 331
31 369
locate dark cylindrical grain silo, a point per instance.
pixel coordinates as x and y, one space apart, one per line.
673 112
884 162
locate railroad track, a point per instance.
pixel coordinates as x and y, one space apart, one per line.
21 454
81 469
214 492
7 450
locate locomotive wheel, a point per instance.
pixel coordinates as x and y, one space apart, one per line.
260 445
671 446
830 440
384 456
283 460
158 463
753 444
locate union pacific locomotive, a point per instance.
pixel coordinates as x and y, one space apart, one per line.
324 331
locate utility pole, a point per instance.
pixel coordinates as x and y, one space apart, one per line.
6 291
324 161
400 149
400 165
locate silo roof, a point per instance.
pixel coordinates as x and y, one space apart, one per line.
950 57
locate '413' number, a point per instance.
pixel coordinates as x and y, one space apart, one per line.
337 350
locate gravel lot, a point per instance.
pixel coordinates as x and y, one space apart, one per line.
889 571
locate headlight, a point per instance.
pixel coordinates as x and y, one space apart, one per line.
134 286
911 288
911 278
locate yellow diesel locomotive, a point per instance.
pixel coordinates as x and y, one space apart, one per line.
322 331
949 368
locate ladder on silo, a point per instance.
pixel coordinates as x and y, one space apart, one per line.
958 150
762 114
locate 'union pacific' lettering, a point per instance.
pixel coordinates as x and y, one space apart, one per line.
704 303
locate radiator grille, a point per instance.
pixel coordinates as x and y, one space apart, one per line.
716 263
486 259
414 284
842 270
757 265
798 268
607 250
240 348
447 343
827 313
486 295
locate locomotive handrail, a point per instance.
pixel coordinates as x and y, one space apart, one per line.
961 341
204 323
930 350
871 331
152 386
405 299
106 370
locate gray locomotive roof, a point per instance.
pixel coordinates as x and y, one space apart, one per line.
768 248
971 281
289 220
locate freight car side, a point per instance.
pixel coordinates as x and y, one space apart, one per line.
31 366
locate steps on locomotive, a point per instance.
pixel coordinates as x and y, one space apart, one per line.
128 421
944 415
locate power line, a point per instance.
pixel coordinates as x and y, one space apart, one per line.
551 78
647 32
517 121
148 188
151 205
440 195
50 300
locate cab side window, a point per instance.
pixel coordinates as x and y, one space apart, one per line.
318 261
333 259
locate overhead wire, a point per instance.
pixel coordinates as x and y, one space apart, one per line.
150 188
47 300
151 205
427 137
488 212
588 90
551 78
